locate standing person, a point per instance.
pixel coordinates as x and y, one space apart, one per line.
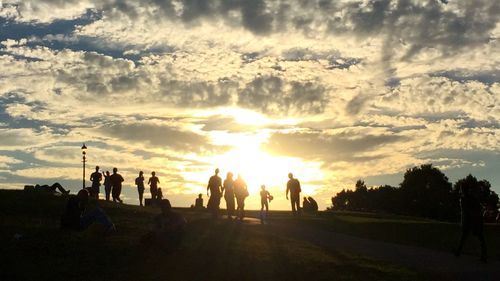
107 185
241 192
265 198
116 181
139 181
293 186
228 190
96 179
472 220
214 186
153 185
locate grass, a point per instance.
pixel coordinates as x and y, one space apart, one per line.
412 231
35 249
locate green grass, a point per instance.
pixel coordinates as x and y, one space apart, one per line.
210 250
412 231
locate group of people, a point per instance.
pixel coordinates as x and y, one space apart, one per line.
165 234
237 190
113 185
156 193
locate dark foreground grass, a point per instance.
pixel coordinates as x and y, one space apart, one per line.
412 231
33 248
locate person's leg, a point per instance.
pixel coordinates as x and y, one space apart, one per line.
107 190
98 216
484 256
465 232
292 201
59 187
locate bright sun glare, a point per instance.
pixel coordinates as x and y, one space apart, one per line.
256 166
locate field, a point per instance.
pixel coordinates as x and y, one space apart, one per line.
34 248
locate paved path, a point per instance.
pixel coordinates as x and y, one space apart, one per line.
439 265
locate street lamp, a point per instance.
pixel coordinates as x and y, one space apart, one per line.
84 160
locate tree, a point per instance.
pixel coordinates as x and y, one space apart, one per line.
427 192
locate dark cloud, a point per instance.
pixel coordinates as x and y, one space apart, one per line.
197 93
486 77
356 104
343 146
272 95
157 135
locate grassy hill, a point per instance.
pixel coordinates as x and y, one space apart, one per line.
34 248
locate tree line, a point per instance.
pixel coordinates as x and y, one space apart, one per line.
425 192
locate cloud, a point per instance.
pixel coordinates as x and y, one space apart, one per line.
272 95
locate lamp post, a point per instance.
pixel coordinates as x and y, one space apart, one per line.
84 160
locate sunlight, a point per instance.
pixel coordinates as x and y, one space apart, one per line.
256 166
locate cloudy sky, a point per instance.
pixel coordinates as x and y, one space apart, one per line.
332 91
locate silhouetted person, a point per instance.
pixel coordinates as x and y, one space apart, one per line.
139 182
168 229
96 179
107 185
153 185
159 194
313 204
306 206
472 219
198 203
265 198
240 192
214 186
51 188
228 189
116 182
293 186
77 217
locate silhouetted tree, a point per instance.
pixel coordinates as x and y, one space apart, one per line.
426 192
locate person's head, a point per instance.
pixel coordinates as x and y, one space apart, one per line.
263 187
159 189
115 170
83 196
229 176
310 198
290 175
141 173
97 168
153 174
107 173
305 199
217 171
200 195
165 206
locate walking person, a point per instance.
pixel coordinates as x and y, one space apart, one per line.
472 219
139 182
116 182
240 192
107 185
293 186
153 186
265 198
215 188
96 179
228 190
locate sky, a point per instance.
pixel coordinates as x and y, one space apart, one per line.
332 91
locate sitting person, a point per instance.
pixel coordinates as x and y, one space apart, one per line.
306 206
199 202
76 217
159 194
168 229
50 188
313 204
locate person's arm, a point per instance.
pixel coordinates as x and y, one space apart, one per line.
121 178
287 189
208 187
149 181
298 184
158 180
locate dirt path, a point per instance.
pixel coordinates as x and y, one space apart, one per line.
440 265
